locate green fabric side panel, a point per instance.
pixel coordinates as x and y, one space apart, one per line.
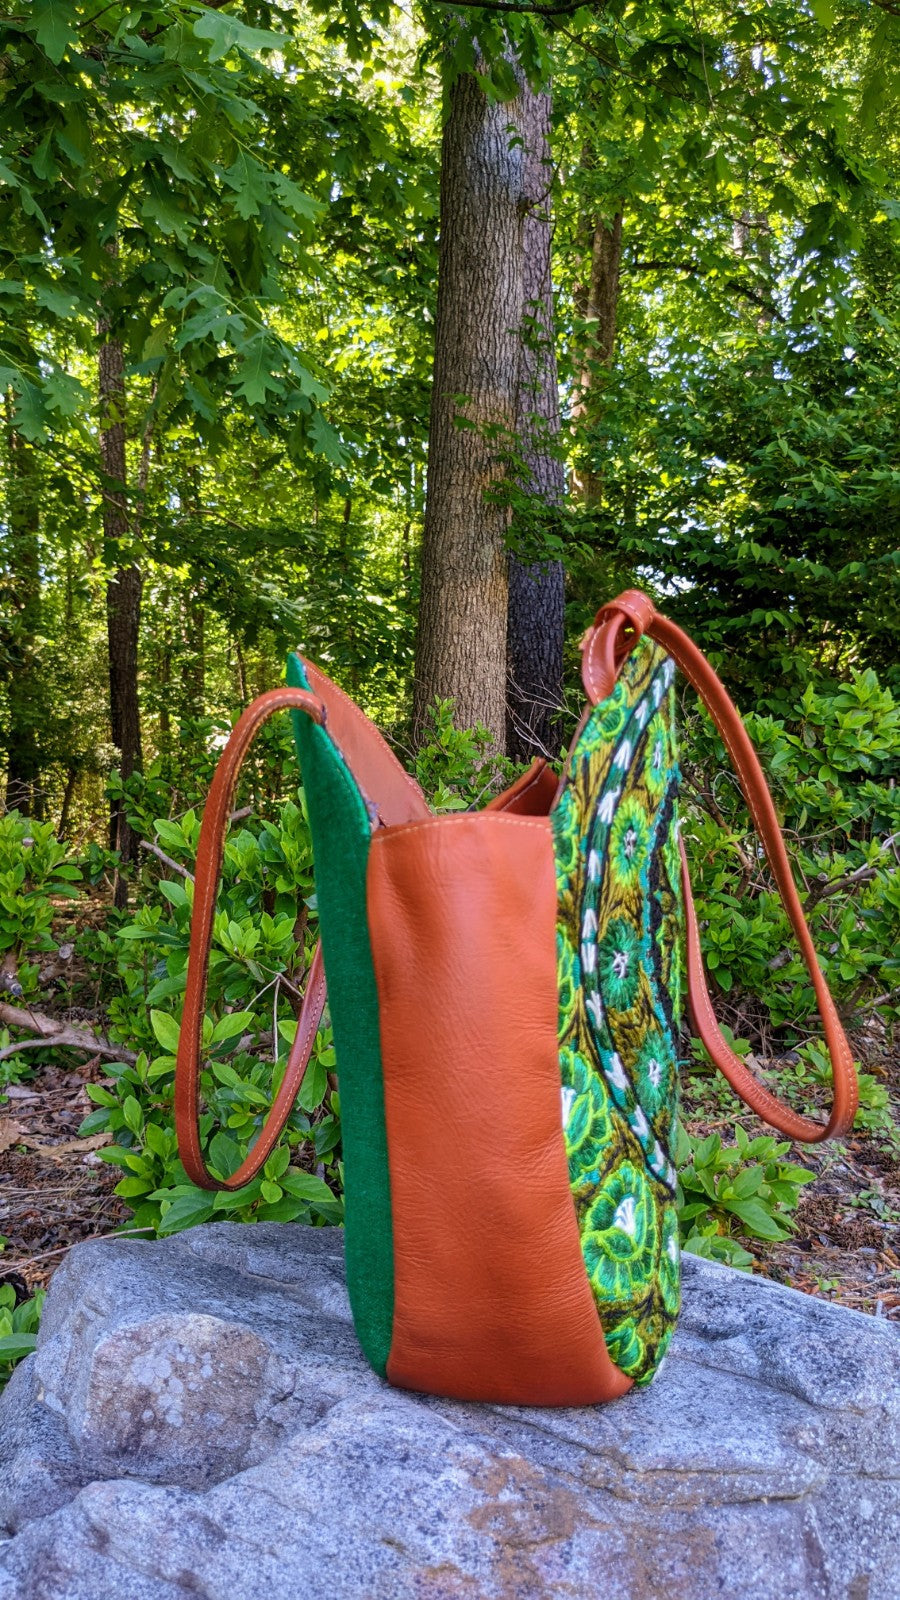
341 834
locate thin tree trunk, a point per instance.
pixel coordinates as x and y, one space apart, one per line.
461 644
22 626
241 665
536 610
597 300
123 598
68 796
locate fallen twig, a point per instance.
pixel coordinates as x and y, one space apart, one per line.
60 1035
60 1250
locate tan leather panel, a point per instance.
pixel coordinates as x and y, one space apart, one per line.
492 1300
395 795
531 795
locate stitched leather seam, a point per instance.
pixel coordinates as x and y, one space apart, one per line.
384 835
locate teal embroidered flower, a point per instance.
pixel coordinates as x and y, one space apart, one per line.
657 758
606 721
620 1235
629 841
655 1072
625 1346
619 964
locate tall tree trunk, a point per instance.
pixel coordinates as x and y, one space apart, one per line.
597 300
193 667
22 626
461 645
536 610
123 597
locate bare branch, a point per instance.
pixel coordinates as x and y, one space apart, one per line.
166 860
57 1035
533 10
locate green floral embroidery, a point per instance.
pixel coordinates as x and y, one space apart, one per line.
620 927
568 977
629 840
588 1130
620 1228
565 836
656 1069
656 760
618 964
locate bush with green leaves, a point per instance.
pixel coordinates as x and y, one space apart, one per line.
456 767
262 939
746 1188
35 869
18 1328
833 769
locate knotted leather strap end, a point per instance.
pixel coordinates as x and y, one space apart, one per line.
210 854
614 631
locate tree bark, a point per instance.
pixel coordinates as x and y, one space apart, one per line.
22 626
536 609
597 301
123 597
461 644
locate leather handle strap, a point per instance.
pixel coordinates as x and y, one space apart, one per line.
210 854
616 629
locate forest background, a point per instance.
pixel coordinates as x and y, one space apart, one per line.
408 335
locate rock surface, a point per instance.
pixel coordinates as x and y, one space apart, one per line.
198 1421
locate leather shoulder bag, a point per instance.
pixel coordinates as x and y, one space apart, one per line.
506 988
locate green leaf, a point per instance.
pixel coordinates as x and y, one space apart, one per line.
301 204
225 33
305 1186
756 1219
53 24
250 182
13 1346
255 371
312 1089
270 1191
229 1026
224 1154
325 441
277 1162
134 1116
166 1030
128 1188
186 1211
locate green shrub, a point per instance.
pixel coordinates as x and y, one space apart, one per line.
18 1328
832 769
263 934
34 868
746 1188
455 767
